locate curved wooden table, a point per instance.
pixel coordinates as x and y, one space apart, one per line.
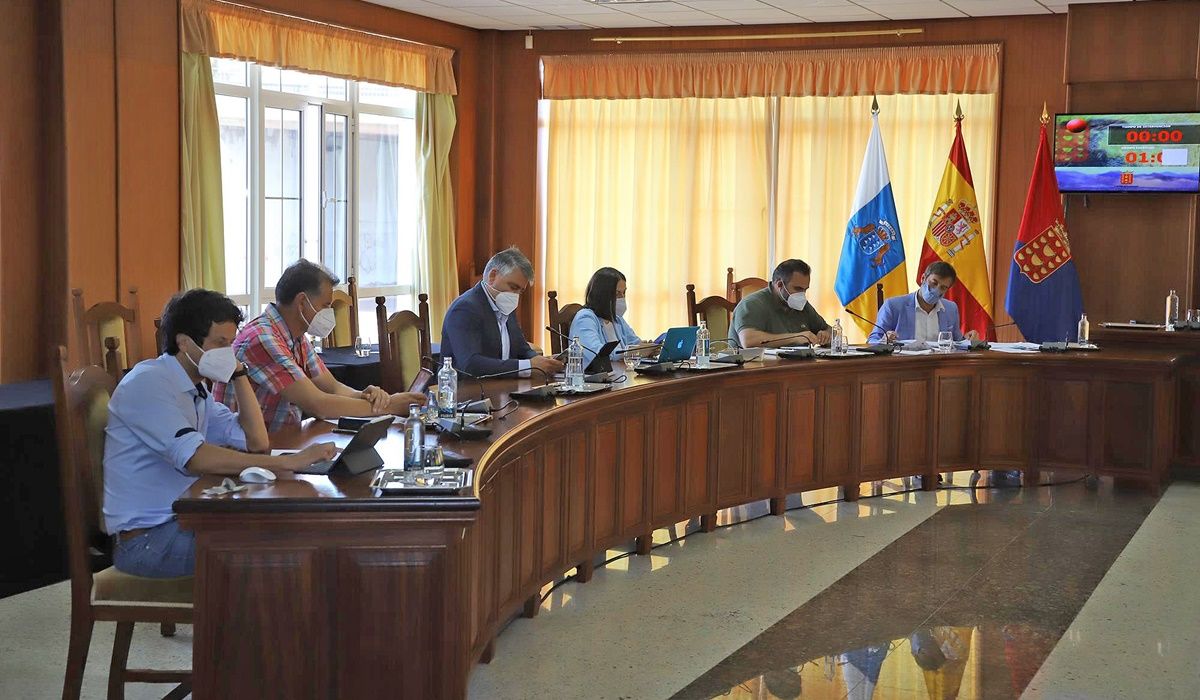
317 588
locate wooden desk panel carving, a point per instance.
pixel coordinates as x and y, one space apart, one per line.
398 597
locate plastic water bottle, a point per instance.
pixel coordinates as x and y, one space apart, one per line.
575 365
1172 310
838 343
414 438
702 358
447 390
1084 334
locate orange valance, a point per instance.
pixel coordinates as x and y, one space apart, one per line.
917 70
229 30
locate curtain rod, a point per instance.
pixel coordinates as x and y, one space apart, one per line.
737 37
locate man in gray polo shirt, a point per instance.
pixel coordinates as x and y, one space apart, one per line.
779 314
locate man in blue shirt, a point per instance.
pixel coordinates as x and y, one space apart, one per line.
164 430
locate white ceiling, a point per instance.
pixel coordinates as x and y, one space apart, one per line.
583 14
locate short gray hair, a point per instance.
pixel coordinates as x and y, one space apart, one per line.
508 260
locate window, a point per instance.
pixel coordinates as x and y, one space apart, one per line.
322 168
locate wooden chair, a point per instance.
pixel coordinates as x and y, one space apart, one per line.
404 344
560 320
717 311
81 409
345 310
878 295
109 333
734 291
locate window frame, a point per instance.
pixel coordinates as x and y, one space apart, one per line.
261 291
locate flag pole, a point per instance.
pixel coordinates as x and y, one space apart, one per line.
1045 115
874 105
958 113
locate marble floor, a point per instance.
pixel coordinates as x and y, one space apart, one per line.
1074 590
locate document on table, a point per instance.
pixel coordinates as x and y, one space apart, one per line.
1016 348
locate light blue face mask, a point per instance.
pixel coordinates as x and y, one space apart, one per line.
931 296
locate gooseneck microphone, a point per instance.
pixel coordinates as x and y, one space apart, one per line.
862 318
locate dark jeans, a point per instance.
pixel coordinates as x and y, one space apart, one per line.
163 551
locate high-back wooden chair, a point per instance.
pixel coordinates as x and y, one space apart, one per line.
345 310
560 320
878 295
81 413
108 333
734 291
717 311
404 344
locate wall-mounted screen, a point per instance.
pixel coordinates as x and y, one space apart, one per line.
1127 152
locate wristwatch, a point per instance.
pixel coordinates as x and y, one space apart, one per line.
240 372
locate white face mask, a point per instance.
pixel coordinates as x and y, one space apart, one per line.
620 308
216 365
323 322
506 302
797 301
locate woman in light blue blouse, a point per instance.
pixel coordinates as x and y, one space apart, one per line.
602 317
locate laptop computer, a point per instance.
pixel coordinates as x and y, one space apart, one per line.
359 454
678 344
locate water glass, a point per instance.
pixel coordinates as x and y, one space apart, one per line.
945 341
361 349
1193 316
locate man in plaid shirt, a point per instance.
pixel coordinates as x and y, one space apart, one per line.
289 377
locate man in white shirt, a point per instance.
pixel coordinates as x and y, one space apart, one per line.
923 314
480 332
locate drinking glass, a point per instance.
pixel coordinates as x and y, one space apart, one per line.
361 349
945 341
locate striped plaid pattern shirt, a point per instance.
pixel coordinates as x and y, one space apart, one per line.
275 361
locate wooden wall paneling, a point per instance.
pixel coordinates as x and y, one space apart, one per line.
667 495
23 173
699 446
735 420
606 480
89 144
1187 451
1065 419
834 464
1143 35
578 503
1128 424
477 610
554 514
275 599
390 598
767 443
803 435
1117 238
488 561
955 408
1003 419
147 151
635 511
914 429
507 513
877 416
529 534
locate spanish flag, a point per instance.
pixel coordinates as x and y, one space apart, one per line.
955 235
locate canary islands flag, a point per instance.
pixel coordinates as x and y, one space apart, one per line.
872 251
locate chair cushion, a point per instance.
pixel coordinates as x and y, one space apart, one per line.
113 586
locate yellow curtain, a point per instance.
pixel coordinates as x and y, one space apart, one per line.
228 30
821 145
438 262
202 228
910 70
670 192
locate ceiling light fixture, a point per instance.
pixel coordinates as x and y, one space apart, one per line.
742 37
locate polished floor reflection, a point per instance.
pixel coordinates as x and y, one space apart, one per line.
967 604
